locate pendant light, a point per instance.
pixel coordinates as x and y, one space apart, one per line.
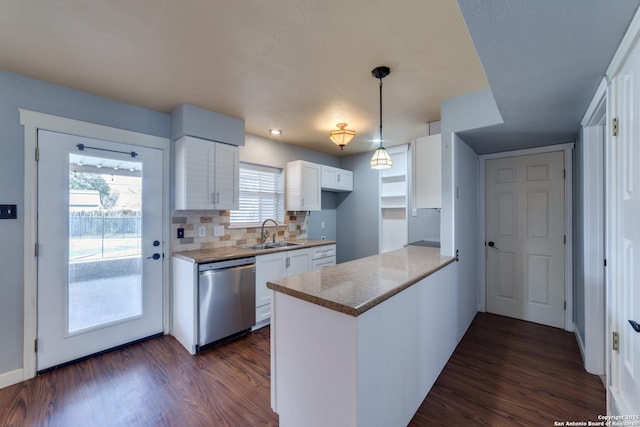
381 159
342 136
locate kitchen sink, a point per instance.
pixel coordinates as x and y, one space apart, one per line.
269 246
254 247
281 244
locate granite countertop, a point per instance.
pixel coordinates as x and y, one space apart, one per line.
357 286
221 254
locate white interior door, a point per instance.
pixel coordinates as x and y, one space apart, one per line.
100 273
625 239
525 234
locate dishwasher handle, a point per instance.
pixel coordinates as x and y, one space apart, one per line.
223 265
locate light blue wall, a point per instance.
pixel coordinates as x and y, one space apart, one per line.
357 213
22 92
426 224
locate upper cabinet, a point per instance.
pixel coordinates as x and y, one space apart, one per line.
303 186
335 179
427 172
207 175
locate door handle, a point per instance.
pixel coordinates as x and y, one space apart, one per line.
156 243
492 245
154 256
635 325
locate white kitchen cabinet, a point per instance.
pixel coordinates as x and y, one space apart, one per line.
336 179
206 175
303 186
274 266
268 267
427 172
323 256
184 325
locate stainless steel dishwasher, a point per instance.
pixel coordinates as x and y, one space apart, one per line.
226 298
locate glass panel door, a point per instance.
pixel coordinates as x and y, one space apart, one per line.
100 262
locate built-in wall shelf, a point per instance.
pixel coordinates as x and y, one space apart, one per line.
393 201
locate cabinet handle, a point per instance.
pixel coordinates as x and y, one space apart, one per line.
217 197
302 202
339 176
288 262
213 198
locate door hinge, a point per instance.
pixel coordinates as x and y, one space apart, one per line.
616 341
36 249
564 173
605 262
565 239
614 126
35 346
37 154
565 305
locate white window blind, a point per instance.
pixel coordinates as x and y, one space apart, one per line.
261 195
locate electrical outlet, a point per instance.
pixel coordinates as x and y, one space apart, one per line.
218 231
322 224
292 226
180 233
8 212
414 212
202 231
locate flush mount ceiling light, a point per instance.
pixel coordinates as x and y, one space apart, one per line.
275 131
381 159
342 136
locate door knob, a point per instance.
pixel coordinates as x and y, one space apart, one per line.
156 243
635 325
492 245
154 256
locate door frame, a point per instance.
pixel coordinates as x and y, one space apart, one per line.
568 223
32 121
594 128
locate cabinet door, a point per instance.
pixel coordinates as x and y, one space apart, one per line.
344 180
310 186
268 267
298 261
192 173
226 177
329 178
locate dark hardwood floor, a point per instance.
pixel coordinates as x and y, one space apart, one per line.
504 372
507 372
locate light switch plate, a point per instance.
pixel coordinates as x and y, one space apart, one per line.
218 231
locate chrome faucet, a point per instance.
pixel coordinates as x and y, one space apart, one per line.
263 236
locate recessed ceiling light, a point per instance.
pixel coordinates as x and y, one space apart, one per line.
275 131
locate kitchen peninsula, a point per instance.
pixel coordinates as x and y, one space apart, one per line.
361 343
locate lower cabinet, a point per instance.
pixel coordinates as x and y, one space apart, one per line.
275 266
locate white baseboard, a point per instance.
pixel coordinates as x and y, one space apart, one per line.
580 343
11 377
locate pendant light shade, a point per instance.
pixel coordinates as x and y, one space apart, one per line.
381 159
342 136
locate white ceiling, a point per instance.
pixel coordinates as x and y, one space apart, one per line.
302 66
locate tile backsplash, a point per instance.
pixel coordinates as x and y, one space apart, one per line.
294 229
